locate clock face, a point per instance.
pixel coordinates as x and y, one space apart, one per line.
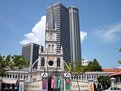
50 63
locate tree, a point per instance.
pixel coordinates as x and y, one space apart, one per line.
10 62
104 81
120 50
3 66
119 61
93 66
19 61
75 67
78 67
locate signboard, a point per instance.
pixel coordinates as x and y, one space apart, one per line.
83 86
33 86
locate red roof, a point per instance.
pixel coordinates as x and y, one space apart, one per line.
116 74
111 69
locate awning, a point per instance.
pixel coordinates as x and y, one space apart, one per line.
9 81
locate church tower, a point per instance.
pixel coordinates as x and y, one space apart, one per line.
51 59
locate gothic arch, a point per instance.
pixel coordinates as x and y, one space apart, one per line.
58 62
42 61
49 47
52 47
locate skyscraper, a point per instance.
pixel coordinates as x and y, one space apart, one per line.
74 34
31 52
57 15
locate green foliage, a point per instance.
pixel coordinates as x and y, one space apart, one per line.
77 67
19 61
119 61
120 50
104 81
2 66
10 62
93 66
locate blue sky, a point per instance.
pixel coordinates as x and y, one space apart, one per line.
100 23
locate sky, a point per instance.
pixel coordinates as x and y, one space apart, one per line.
22 21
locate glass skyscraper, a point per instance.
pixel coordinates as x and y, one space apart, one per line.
57 15
74 34
66 20
31 52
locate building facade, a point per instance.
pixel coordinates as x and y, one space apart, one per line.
74 34
31 52
68 36
51 59
58 15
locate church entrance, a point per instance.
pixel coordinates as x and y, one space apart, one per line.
49 84
55 82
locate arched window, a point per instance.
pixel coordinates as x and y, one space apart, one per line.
10 75
21 76
13 76
58 62
49 47
16 76
52 47
43 61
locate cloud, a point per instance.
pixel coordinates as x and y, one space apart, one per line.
109 34
83 35
38 33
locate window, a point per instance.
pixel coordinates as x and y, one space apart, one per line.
49 47
50 63
43 61
58 62
52 47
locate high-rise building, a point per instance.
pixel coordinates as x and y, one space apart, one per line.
74 34
57 15
31 52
